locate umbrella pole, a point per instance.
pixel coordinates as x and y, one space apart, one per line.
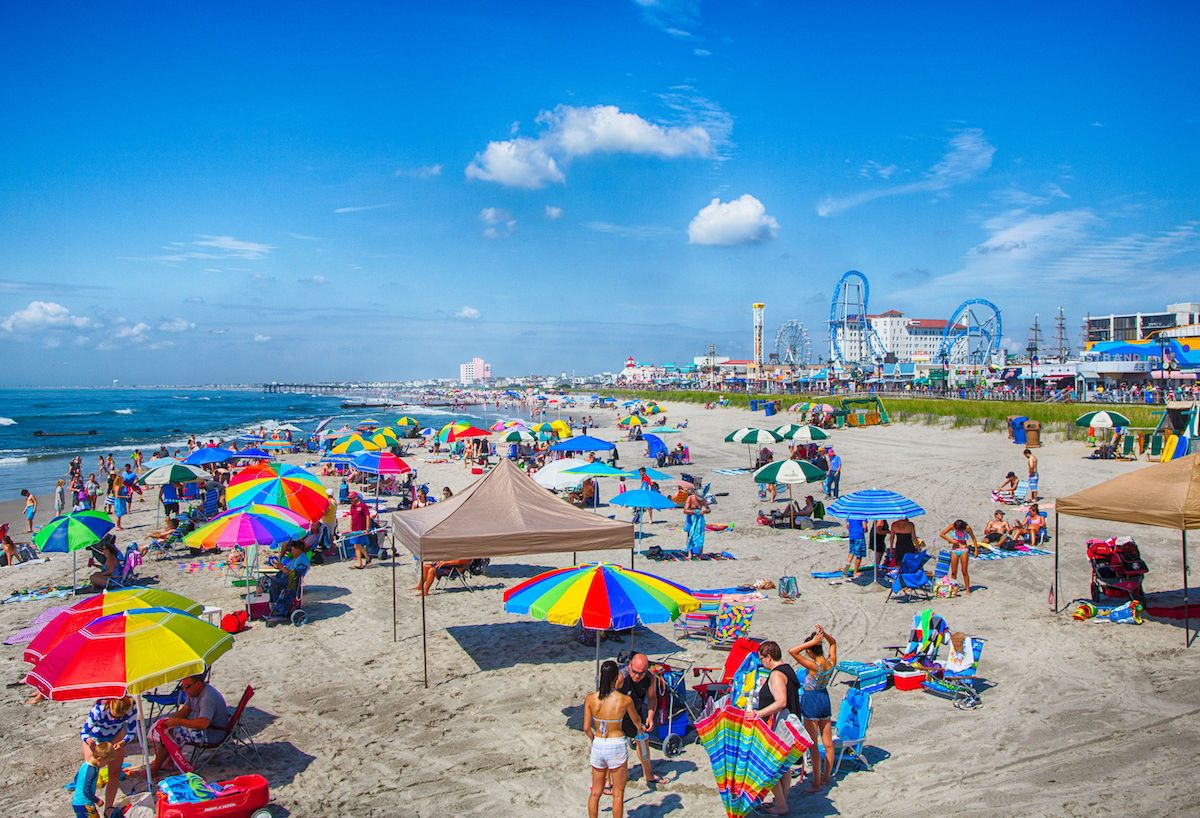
74 581
597 660
144 738
1187 612
424 647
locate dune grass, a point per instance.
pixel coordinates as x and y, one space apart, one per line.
1058 418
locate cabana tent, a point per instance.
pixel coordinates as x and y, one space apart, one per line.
502 514
1165 495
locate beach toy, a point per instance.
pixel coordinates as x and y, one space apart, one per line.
1083 611
1128 614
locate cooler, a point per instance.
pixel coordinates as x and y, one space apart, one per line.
908 679
258 605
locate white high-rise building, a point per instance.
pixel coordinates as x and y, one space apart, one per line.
909 339
475 370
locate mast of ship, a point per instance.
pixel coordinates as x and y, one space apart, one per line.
1033 346
1060 335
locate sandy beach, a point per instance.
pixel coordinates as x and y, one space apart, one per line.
1079 719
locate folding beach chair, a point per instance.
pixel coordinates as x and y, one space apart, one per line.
731 624
911 576
929 632
1129 449
699 623
954 678
126 573
234 737
212 504
1154 450
461 571
850 729
712 686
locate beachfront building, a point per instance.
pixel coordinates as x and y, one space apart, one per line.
475 370
905 339
1139 326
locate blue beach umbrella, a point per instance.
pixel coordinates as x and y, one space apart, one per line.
653 474
874 504
583 443
254 454
642 498
203 457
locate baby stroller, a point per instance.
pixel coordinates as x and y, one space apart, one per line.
1117 569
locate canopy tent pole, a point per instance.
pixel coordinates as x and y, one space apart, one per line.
1187 612
1054 588
424 647
394 637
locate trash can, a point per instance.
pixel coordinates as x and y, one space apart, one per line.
1033 434
1018 430
840 419
753 406
769 407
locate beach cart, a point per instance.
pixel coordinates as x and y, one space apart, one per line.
245 796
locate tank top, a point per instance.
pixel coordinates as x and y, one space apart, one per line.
766 698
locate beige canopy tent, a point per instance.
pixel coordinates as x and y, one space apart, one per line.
502 514
1165 495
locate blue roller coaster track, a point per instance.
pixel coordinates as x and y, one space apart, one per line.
972 335
848 315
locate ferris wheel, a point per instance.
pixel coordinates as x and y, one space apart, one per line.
852 340
792 344
972 336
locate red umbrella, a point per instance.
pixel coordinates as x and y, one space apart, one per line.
470 431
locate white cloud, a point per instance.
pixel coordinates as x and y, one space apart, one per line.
423 172
133 332
673 17
872 169
468 314
743 220
572 132
362 208
1018 197
234 247
176 325
498 223
553 213
261 339
303 237
42 315
631 231
969 155
701 52
315 280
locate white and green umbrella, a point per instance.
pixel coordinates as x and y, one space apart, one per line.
1102 419
790 472
173 473
751 437
801 431
518 436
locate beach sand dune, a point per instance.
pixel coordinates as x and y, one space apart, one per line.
1084 719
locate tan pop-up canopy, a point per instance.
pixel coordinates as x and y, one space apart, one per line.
502 514
505 514
1165 495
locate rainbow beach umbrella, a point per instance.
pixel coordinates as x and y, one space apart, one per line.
747 757
601 596
253 524
87 610
289 487
73 532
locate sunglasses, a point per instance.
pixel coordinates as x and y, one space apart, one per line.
639 673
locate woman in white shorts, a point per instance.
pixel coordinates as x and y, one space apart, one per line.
603 712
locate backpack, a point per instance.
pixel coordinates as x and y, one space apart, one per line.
234 622
788 589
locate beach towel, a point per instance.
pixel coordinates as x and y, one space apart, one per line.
823 538
733 589
678 554
196 567
695 528
837 574
731 472
1000 554
36 594
25 635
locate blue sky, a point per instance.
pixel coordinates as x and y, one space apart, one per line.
310 191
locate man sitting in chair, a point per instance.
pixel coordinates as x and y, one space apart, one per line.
584 496
201 720
793 512
430 570
285 585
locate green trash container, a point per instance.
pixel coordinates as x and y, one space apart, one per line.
840 420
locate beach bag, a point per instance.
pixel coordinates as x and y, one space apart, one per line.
234 622
788 589
946 588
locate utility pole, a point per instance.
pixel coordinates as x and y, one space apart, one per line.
712 367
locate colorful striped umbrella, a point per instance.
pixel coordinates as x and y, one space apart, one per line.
747 757
87 610
874 504
632 420
601 596
407 421
277 444
253 524
128 653
73 532
380 463
174 473
292 488
352 444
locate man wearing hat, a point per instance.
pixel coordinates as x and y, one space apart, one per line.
833 477
997 532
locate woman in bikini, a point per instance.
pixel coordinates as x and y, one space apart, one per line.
957 534
603 712
814 701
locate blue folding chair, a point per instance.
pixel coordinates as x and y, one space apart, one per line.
850 729
911 576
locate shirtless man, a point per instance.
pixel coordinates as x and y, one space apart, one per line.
1031 459
996 532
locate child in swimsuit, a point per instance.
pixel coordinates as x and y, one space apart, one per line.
957 534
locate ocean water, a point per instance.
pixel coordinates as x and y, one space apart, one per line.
96 422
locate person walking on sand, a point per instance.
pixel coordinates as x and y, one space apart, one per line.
60 497
30 508
694 509
603 712
360 524
1032 461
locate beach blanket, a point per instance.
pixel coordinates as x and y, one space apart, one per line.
197 567
836 574
731 472
1001 554
25 635
36 594
823 538
678 554
733 589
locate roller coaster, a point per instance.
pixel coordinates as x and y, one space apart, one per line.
972 335
852 340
